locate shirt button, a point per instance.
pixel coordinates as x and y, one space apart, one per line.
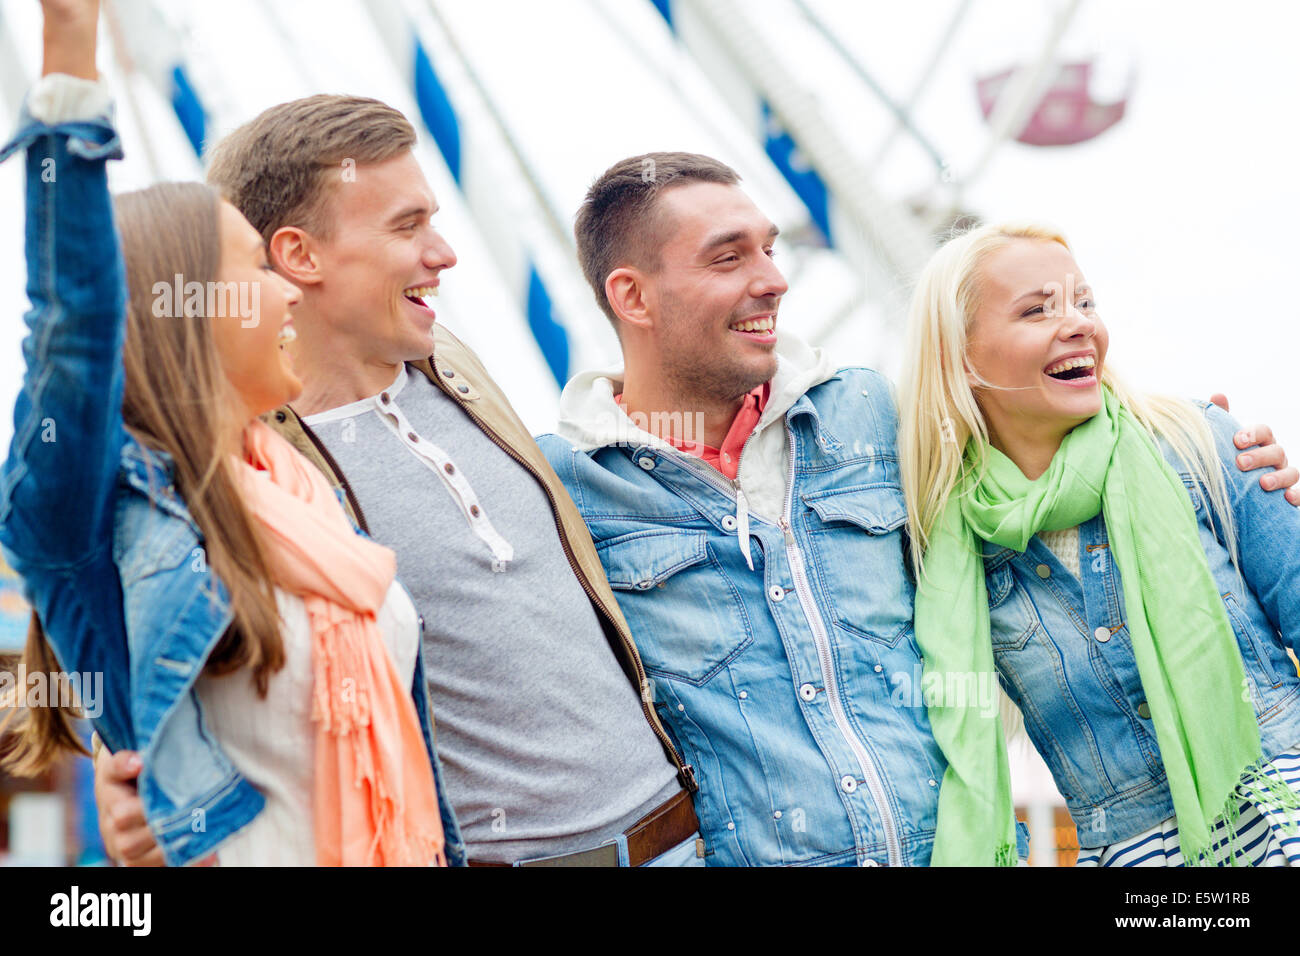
730 825
449 468
474 510
647 463
1102 634
933 782
807 691
848 784
463 389
384 398
412 436
1043 571
644 585
870 863
1144 710
776 592
448 373
878 668
744 695
728 522
777 815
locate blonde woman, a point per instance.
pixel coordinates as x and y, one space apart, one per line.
1099 548
257 652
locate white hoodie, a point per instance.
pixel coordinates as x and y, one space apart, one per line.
590 418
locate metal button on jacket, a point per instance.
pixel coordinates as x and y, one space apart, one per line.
1102 634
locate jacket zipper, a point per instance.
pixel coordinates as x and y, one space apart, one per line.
804 591
685 772
869 773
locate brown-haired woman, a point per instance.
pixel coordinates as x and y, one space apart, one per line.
255 650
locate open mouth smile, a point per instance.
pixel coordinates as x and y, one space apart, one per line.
416 295
759 327
1079 371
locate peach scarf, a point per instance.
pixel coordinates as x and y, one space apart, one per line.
375 801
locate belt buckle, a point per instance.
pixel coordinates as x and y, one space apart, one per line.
603 855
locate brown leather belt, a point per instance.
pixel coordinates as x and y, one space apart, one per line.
653 835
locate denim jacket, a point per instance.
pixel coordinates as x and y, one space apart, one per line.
110 558
778 682
1062 649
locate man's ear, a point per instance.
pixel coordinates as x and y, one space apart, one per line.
295 256
626 291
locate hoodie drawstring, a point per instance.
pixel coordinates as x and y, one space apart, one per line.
742 526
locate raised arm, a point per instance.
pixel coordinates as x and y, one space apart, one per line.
57 484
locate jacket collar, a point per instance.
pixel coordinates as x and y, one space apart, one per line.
152 473
591 419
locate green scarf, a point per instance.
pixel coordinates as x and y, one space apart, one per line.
1183 643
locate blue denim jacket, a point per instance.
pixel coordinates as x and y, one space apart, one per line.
777 683
110 557
1063 653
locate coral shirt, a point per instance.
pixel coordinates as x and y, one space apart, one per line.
727 458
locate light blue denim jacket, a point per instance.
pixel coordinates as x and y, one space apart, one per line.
1063 653
777 683
110 557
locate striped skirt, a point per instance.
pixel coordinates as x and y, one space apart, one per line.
1263 837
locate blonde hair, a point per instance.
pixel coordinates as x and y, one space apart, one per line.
939 412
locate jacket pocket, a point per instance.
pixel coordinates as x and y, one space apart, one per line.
687 616
1012 617
1248 638
857 544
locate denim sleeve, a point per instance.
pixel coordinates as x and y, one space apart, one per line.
1268 534
57 484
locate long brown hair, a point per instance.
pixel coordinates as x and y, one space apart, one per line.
175 401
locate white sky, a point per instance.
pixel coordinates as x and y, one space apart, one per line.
1182 215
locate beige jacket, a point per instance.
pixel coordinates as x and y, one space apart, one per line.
458 372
